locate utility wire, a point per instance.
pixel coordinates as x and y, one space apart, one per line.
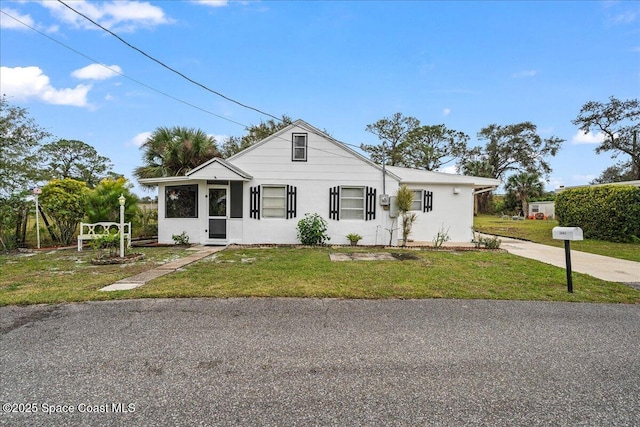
159 91
120 73
167 66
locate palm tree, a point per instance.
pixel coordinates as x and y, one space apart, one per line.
525 185
175 151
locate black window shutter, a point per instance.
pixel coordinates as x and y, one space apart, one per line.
292 199
254 202
428 201
370 204
334 203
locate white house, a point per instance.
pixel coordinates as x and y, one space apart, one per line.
260 194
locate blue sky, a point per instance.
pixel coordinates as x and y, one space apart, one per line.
338 65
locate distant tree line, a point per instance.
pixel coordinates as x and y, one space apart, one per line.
513 153
77 182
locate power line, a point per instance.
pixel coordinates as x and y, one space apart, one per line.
120 73
167 66
159 91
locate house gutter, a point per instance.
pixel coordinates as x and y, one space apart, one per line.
484 190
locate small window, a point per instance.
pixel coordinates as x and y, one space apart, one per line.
299 147
274 202
352 203
417 200
181 201
535 209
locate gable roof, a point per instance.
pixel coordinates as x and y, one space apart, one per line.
219 169
306 126
214 169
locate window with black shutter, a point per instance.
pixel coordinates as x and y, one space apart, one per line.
352 203
273 201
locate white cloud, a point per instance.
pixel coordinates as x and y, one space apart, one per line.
212 3
446 112
524 73
140 138
23 83
115 15
587 138
97 72
9 23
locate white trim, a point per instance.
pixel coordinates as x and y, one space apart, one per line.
236 170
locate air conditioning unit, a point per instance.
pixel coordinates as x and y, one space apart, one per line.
385 200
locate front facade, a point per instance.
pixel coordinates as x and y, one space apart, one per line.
259 195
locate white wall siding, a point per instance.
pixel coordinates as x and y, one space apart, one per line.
313 197
452 212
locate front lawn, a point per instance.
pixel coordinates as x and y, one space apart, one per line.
67 276
540 232
304 272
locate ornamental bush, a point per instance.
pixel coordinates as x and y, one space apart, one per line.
312 230
610 212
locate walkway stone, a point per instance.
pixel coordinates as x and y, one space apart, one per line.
162 270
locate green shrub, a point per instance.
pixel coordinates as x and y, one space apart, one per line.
610 212
181 239
109 242
312 230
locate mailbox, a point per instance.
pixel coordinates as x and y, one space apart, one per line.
567 233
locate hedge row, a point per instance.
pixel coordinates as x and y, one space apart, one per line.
610 212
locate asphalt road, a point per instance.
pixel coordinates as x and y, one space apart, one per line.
285 362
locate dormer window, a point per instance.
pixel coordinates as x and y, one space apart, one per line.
299 147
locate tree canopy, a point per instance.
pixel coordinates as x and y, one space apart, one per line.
73 159
64 201
619 122
19 138
102 201
255 133
511 148
524 186
175 151
407 143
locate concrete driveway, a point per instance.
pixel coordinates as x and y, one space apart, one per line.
320 362
602 267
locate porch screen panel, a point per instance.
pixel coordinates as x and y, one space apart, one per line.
236 199
181 201
217 228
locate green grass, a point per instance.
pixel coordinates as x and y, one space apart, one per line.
298 272
67 275
540 232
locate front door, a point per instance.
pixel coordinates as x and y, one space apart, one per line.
218 213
